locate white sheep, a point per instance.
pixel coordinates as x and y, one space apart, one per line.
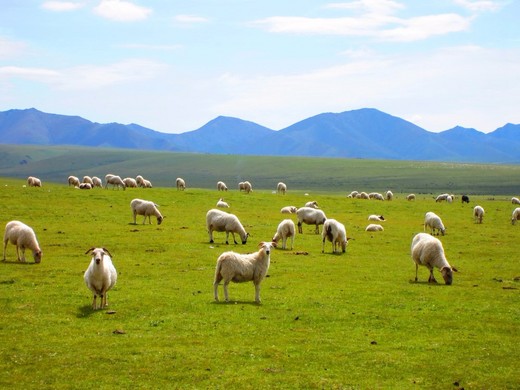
286 229
310 216
515 200
247 187
364 195
222 204
410 197
428 251
97 181
23 237
220 221
449 199
146 184
85 186
434 222
378 196
289 210
281 188
115 180
515 216
88 179
34 182
147 209
353 194
100 276
335 232
73 181
312 204
441 197
478 214
139 180
130 182
374 227
389 195
238 268
374 217
221 186
180 183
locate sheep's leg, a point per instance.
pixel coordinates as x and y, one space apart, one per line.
416 271
432 278
292 242
227 238
210 233
104 302
226 296
135 214
317 231
257 292
284 240
215 290
300 230
94 306
5 246
323 245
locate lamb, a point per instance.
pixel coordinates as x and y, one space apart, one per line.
374 217
180 183
515 200
515 216
312 204
34 182
100 276
146 208
221 186
220 221
374 227
434 222
23 237
478 214
288 210
115 180
73 181
428 251
389 195
310 216
222 204
335 232
130 182
281 188
410 197
232 266
97 181
285 230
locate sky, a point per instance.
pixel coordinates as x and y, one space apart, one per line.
173 66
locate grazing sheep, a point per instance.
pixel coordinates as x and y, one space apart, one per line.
515 200
478 214
221 186
222 204
241 186
248 187
434 222
374 227
310 216
281 188
146 208
73 181
364 195
289 210
312 204
130 182
389 195
285 230
335 232
220 221
378 196
88 179
238 268
180 183
139 180
353 194
85 186
449 199
97 181
100 276
441 197
515 216
21 235
428 251
465 199
34 182
146 184
410 197
115 180
374 217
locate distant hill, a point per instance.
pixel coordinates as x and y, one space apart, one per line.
364 133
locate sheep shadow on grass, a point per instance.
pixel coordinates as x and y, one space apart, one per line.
16 262
233 302
86 311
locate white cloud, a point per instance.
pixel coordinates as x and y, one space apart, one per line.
372 6
61 6
145 46
480 5
121 11
10 48
190 19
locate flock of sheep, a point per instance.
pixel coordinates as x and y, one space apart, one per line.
101 275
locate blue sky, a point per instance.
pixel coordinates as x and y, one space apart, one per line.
174 65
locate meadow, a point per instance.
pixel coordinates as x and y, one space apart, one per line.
337 321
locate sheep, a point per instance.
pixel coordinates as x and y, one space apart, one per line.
241 186
389 195
180 183
312 204
310 216
222 204
73 181
410 197
478 214
465 199
335 232
239 268
100 276
34 182
220 221
247 187
353 194
428 251
374 217
97 182
281 188
378 196
374 227
288 210
449 198
146 208
515 200
441 197
364 195
139 180
23 237
434 222
515 216
285 230
85 186
88 179
130 182
146 184
115 180
221 186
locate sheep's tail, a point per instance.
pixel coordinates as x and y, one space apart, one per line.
329 233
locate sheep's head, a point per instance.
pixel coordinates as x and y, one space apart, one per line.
159 220
37 255
98 253
244 238
267 246
447 274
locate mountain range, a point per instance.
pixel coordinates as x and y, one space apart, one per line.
364 133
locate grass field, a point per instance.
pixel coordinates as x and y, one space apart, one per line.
355 320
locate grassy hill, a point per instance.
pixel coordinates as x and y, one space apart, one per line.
55 164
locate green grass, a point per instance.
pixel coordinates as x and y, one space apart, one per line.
354 320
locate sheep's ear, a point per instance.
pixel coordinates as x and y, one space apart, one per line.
90 250
454 269
261 244
349 238
273 243
106 250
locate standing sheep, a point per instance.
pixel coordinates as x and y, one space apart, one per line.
286 229
478 214
34 182
220 221
428 251
248 187
310 216
465 199
232 266
410 197
335 232
115 180
130 182
23 237
434 222
100 276
73 181
221 186
146 208
180 183
97 181
389 195
281 188
88 179
442 197
515 216
515 200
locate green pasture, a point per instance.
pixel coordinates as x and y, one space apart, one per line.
346 321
